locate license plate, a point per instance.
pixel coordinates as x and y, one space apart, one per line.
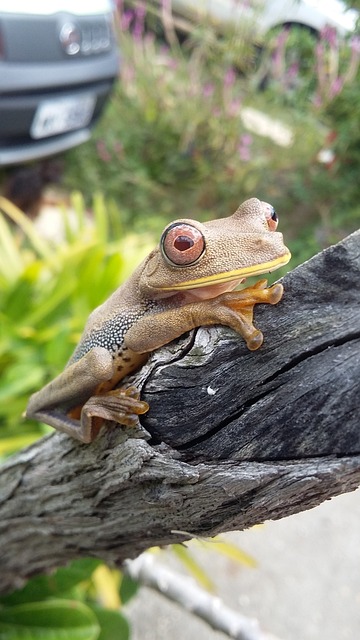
63 114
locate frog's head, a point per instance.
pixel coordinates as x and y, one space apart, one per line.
208 259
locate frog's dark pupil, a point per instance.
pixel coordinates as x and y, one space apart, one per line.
182 243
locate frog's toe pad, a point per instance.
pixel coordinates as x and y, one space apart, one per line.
275 293
120 405
255 340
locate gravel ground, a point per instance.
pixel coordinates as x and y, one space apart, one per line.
306 585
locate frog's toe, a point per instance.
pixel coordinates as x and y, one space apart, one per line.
260 284
255 341
275 293
119 405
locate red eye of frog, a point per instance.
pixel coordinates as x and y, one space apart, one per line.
182 244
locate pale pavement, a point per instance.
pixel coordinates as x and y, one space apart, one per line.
306 586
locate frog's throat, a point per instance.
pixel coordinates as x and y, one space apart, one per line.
228 276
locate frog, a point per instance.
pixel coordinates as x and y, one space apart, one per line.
190 279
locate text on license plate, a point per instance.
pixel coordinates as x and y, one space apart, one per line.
63 114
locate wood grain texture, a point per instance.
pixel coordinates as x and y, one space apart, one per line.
232 437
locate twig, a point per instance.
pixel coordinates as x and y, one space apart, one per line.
190 596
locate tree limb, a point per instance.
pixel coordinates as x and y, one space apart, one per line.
236 437
184 591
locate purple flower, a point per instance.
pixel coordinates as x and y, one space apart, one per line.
166 5
234 107
103 153
171 62
140 13
336 87
244 147
283 37
293 72
127 73
246 139
208 90
319 50
328 34
126 20
229 77
318 101
355 44
244 154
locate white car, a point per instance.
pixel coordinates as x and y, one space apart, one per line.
58 62
264 15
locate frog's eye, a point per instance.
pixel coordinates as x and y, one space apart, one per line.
182 244
271 217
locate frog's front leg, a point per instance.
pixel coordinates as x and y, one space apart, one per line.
243 302
233 309
68 403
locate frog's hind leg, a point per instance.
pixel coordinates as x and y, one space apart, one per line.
79 400
70 389
121 405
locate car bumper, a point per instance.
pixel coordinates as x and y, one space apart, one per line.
18 141
25 152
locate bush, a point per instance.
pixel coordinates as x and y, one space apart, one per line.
47 291
173 141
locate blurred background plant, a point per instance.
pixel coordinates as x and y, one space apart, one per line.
174 140
47 290
80 602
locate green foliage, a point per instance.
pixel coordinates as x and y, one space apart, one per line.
323 193
113 625
49 620
59 584
173 141
346 147
47 290
159 142
128 589
286 67
66 605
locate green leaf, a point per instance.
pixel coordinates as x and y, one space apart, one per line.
128 588
20 378
113 625
230 550
101 217
49 620
11 259
27 226
57 584
192 565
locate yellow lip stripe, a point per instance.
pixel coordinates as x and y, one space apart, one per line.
227 276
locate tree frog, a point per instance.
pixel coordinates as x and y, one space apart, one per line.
187 281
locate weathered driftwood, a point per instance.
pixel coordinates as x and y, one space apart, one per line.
236 437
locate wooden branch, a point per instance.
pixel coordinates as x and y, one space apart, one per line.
237 437
190 596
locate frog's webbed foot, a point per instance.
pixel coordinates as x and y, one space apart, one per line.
119 405
242 304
